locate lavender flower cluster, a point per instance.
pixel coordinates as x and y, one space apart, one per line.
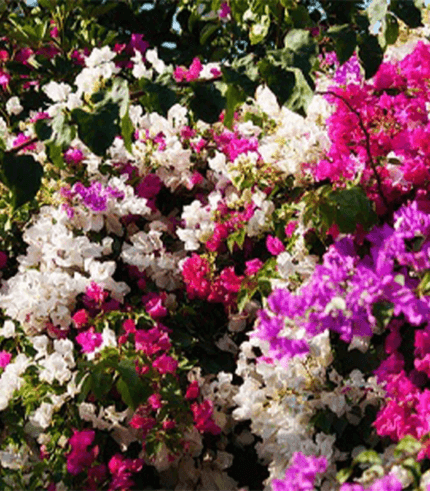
345 289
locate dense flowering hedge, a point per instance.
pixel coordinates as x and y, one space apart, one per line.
181 297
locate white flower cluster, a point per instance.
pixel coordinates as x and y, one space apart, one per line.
63 97
13 106
58 266
99 67
280 403
147 252
170 160
199 225
110 419
295 140
261 220
11 380
56 365
296 261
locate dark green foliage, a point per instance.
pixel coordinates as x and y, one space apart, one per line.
22 174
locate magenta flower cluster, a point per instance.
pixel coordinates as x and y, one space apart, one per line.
95 197
301 474
392 110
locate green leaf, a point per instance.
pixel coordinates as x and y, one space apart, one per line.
414 468
345 41
243 297
153 447
383 311
98 130
323 420
300 51
297 39
234 97
22 174
119 94
245 65
299 14
407 445
101 382
55 155
238 238
409 11
370 54
48 4
43 129
244 79
64 132
390 28
100 10
288 85
400 279
352 207
131 387
368 457
259 30
264 286
424 286
127 130
18 68
157 98
207 32
344 474
207 102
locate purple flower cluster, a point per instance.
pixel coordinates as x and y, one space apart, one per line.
349 72
342 293
386 483
95 197
301 474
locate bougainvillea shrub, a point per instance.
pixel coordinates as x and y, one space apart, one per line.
181 297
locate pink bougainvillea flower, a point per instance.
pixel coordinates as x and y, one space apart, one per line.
4 79
95 293
193 391
180 74
253 266
154 400
74 156
165 364
23 55
154 305
80 458
21 139
194 70
290 227
89 340
168 424
80 318
274 245
203 417
5 358
137 43
121 469
224 11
